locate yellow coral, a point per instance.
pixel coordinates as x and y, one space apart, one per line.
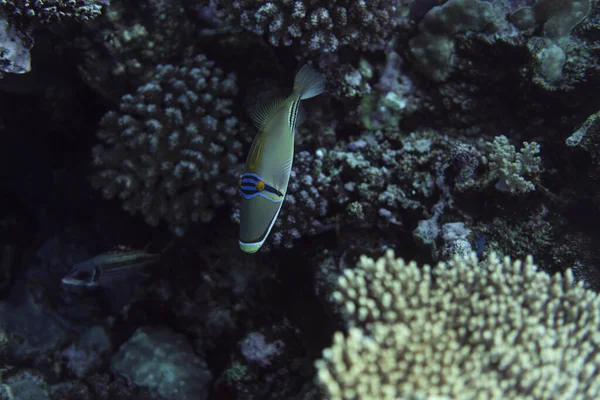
467 329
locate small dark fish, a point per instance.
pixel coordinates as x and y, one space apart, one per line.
105 269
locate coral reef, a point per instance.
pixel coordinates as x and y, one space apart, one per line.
164 362
433 49
306 211
48 11
496 328
122 48
15 44
314 24
172 150
448 128
509 166
18 18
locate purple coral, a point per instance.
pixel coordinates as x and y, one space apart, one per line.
255 348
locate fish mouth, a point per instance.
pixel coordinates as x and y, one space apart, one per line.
74 282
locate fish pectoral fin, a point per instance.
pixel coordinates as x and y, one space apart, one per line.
261 113
285 169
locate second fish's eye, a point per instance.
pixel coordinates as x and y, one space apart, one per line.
260 186
83 275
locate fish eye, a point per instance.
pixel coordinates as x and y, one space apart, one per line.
82 275
240 182
260 186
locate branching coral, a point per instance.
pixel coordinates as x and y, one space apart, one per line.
510 166
171 152
315 24
466 329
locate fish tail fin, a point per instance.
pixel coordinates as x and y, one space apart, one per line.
308 83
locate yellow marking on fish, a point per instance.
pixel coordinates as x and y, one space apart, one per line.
255 153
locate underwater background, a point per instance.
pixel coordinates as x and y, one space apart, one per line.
461 134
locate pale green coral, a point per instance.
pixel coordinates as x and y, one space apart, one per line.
510 167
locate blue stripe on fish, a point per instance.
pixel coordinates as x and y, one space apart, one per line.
250 175
249 190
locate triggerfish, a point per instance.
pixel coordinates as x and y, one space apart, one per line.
267 171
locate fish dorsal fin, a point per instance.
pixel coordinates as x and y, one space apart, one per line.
261 113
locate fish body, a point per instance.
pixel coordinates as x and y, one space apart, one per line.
264 183
105 269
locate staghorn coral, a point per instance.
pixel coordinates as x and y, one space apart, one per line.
466 329
171 152
509 166
50 11
502 166
315 24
